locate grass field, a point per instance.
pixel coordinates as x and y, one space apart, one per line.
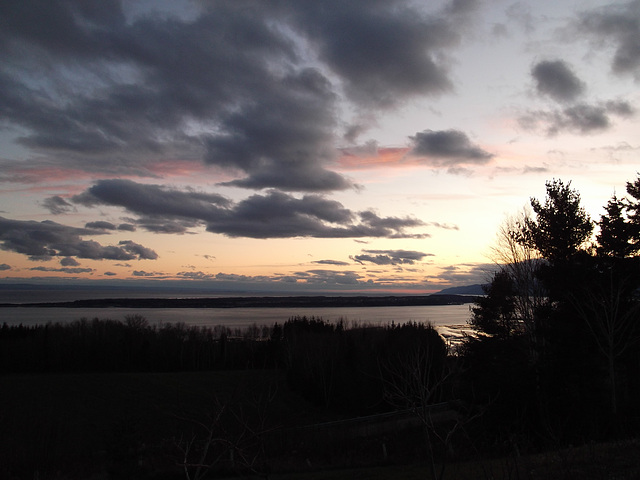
100 426
80 424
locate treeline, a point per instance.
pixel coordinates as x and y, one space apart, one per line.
133 345
331 364
557 360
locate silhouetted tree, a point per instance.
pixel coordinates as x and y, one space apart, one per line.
615 238
633 211
561 226
495 313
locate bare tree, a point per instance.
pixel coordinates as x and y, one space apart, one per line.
611 319
226 437
521 262
416 380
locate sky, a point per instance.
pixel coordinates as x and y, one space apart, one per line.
301 146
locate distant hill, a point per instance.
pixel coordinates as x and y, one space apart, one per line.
464 290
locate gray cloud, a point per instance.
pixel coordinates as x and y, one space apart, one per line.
368 44
331 277
4 266
448 148
580 118
273 215
92 90
45 240
63 270
390 257
330 262
100 225
617 25
138 250
142 273
69 262
57 205
556 79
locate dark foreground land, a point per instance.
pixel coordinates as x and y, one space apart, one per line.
138 425
309 399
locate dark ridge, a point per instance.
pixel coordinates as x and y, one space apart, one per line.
257 302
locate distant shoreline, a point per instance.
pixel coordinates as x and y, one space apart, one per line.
257 302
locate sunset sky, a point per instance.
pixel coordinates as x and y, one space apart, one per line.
299 145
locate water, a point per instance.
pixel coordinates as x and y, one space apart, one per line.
451 320
440 315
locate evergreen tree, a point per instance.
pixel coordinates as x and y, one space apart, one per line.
495 314
633 209
615 236
561 226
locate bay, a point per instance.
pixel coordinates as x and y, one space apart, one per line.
439 315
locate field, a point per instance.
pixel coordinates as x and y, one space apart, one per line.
88 424
131 425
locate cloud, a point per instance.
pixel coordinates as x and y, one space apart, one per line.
390 257
100 225
581 118
465 274
69 262
47 239
617 25
556 79
4 266
447 148
383 51
142 273
138 250
91 89
331 277
63 270
272 215
57 205
330 262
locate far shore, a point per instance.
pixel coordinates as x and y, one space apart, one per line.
258 302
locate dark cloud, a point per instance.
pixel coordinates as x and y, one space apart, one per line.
92 90
142 273
110 274
331 277
330 262
556 79
138 250
45 240
384 51
57 205
390 257
100 225
4 266
127 227
273 215
283 140
63 270
448 148
69 262
617 25
580 118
